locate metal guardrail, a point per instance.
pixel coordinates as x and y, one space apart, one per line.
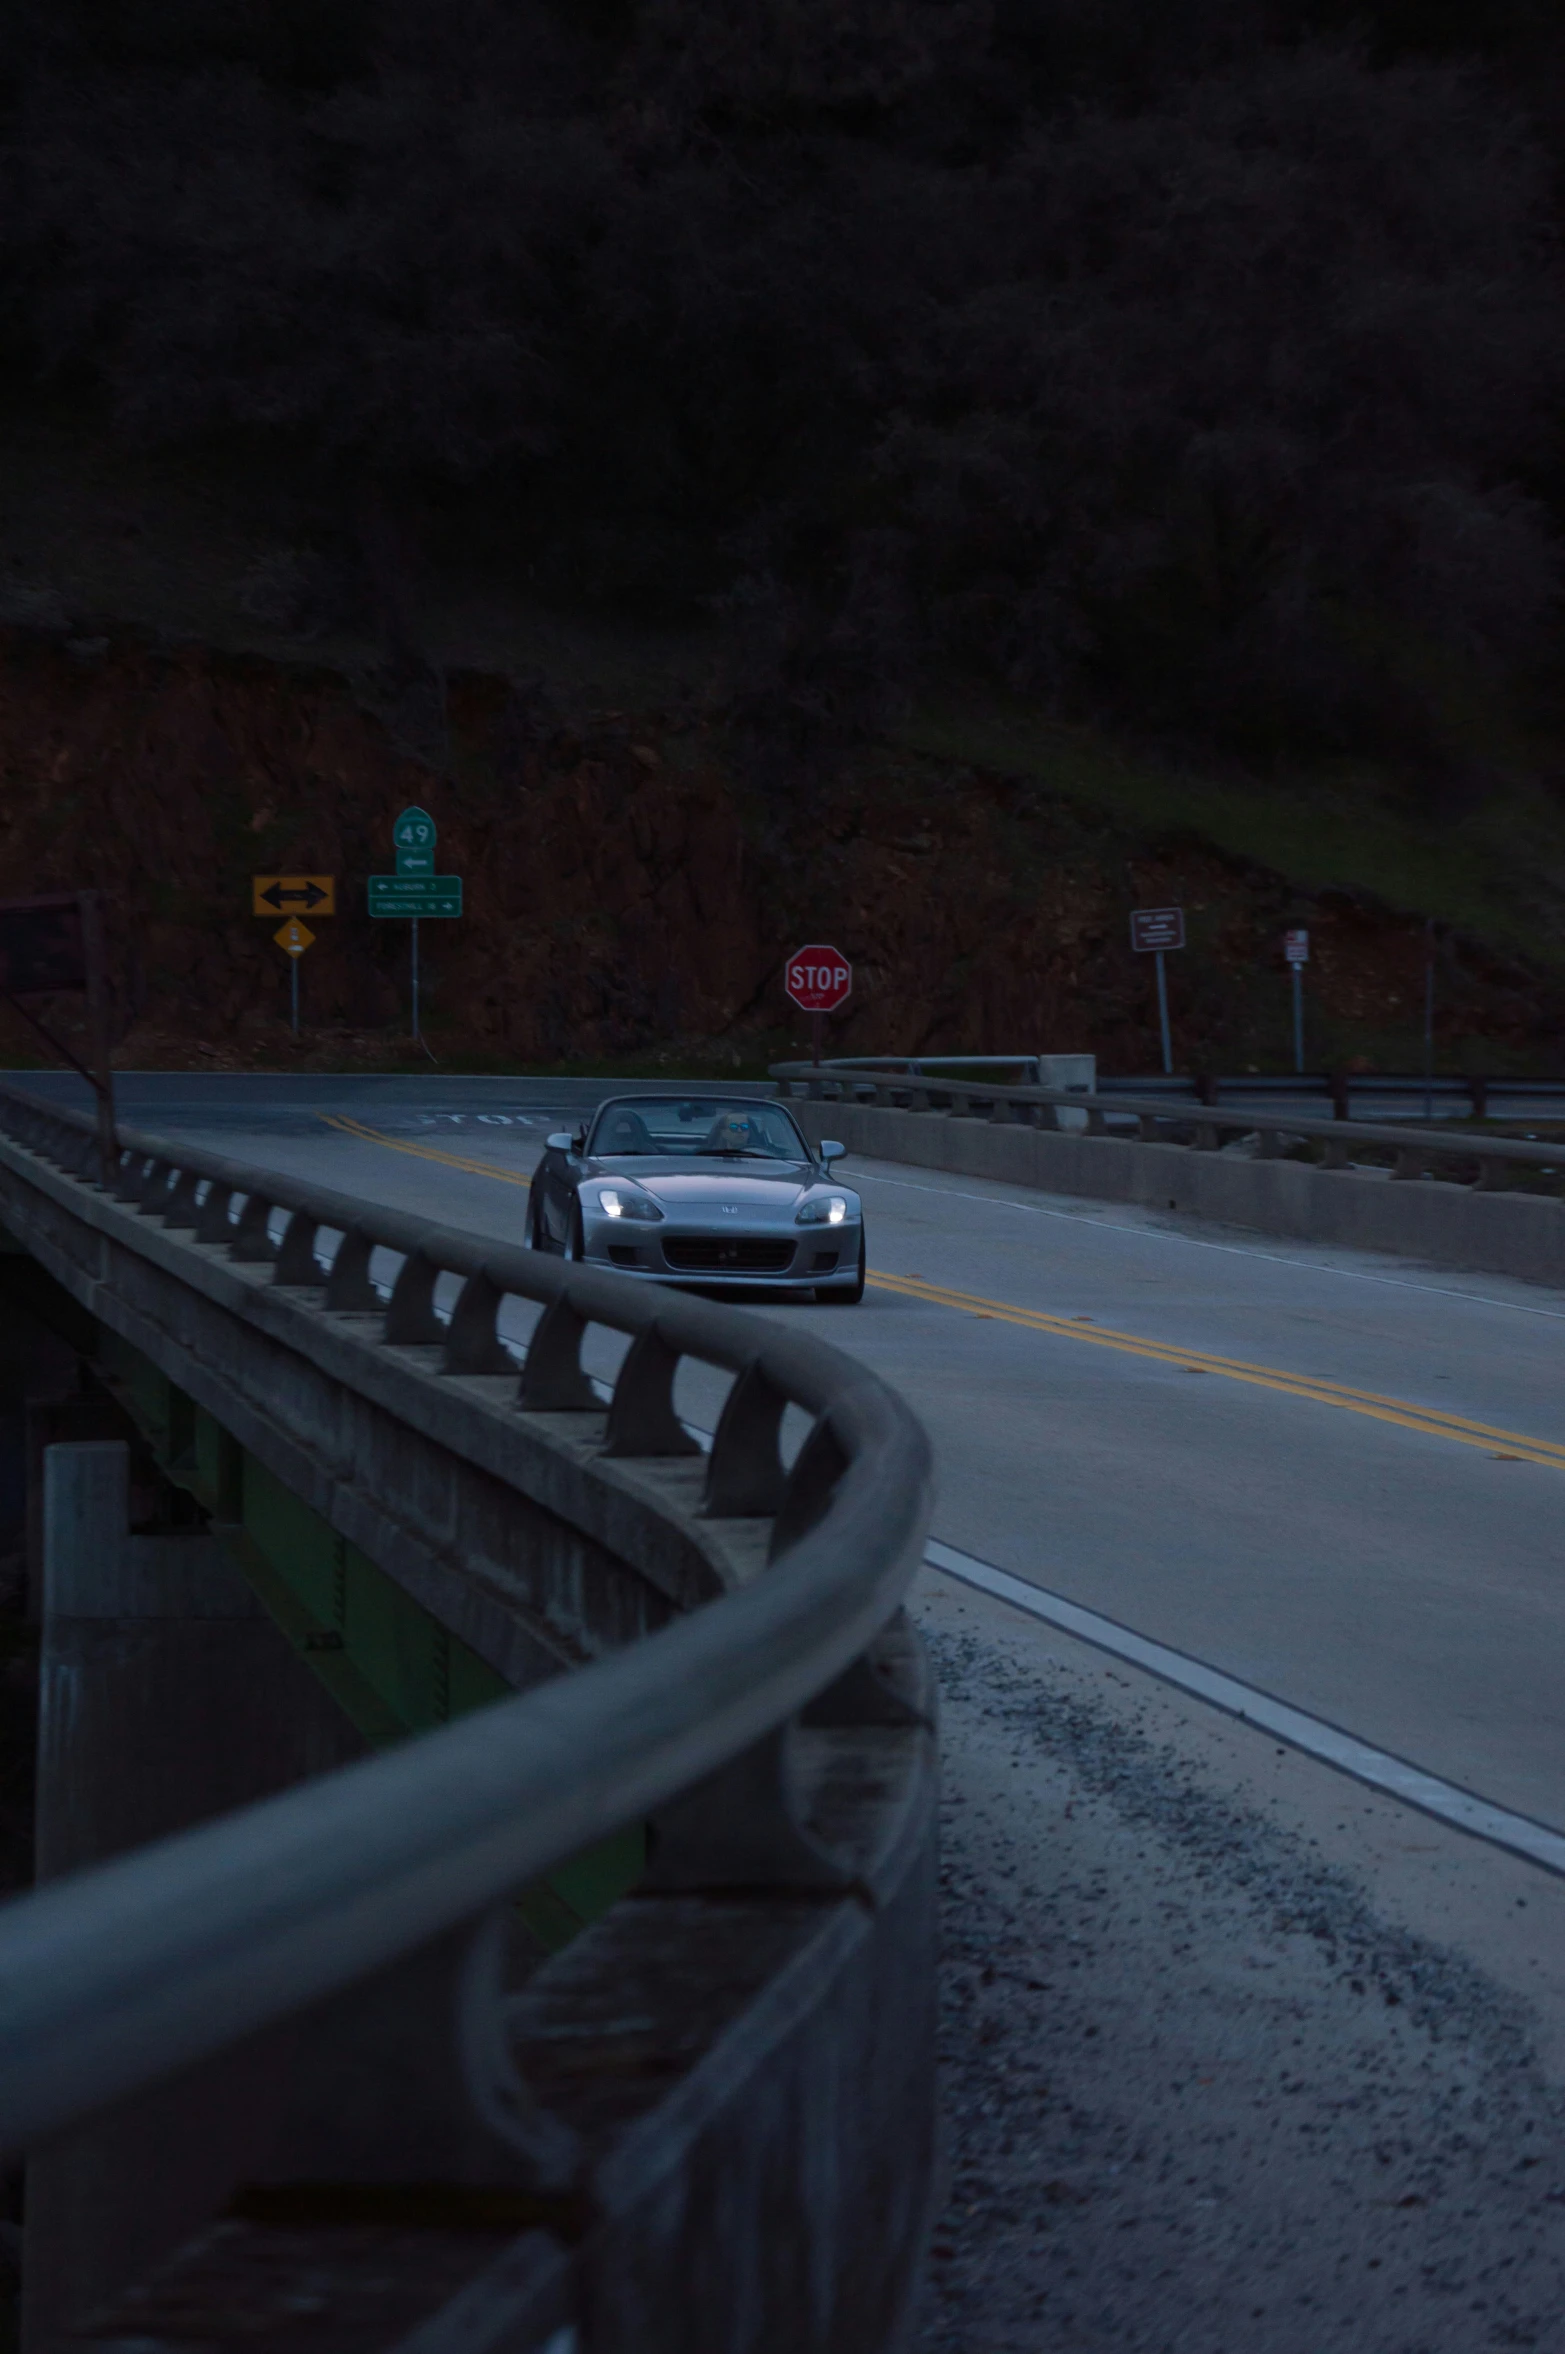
923 1065
1477 1091
113 1979
1493 1160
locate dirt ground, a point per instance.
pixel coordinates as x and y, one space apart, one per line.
1234 2054
630 888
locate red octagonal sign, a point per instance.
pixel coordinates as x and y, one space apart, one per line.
818 979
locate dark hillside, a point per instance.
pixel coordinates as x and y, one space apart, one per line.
382 382
1197 365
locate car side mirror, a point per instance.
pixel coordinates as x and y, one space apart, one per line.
560 1141
831 1150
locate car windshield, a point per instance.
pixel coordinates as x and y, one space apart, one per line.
675 1126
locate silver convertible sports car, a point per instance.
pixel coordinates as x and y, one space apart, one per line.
700 1189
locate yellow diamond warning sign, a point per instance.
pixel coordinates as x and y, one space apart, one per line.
293 938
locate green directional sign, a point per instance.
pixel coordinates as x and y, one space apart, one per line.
414 896
413 839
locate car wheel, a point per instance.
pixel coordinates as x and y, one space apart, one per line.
575 1242
532 1232
831 1296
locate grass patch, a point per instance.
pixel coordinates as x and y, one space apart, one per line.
1497 870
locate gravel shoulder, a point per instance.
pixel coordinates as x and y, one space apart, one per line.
1236 2054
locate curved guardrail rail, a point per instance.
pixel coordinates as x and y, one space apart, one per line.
113 1979
1418 1153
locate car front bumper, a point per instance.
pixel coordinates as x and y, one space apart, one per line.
746 1261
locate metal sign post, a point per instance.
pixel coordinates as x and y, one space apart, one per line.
270 895
1429 1017
1296 948
293 938
414 891
1153 931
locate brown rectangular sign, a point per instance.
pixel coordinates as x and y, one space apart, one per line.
41 945
1156 927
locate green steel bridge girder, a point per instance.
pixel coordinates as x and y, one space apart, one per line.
389 1664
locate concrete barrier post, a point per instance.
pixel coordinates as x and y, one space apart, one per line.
166 1696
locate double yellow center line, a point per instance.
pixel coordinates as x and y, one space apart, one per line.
424 1152
1509 1445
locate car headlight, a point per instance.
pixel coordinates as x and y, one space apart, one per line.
619 1201
830 1210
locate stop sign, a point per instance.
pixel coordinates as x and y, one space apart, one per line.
819 979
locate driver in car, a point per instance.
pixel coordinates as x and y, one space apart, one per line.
731 1132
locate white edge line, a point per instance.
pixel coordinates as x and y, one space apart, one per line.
1377 1768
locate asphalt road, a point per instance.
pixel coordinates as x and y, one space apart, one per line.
1333 1476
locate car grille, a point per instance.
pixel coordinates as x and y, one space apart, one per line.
727 1254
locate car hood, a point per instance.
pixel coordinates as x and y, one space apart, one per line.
771 1185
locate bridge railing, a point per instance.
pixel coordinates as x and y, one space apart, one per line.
772 1650
1476 1092
1487 1162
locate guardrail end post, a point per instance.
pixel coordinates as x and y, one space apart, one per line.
738 1829
864 1694
745 1475
251 1242
296 1260
411 1321
473 1343
642 1417
182 1211
349 1290
214 1224
552 1378
154 1194
818 1466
